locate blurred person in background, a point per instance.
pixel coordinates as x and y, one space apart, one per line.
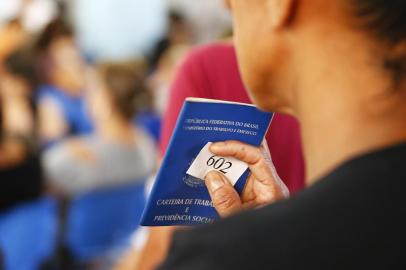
20 172
61 107
19 79
116 152
12 36
162 63
160 81
179 33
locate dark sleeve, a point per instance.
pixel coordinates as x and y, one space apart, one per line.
238 242
255 239
188 252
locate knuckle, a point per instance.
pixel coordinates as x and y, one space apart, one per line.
257 155
253 156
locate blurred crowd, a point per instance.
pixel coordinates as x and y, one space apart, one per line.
82 92
90 92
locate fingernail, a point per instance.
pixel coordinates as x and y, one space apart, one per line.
214 181
217 145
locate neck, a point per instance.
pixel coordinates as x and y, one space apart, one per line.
116 129
358 111
346 135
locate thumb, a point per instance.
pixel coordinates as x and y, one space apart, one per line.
224 197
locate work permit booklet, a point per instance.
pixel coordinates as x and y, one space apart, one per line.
179 195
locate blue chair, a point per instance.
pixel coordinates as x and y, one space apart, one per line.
28 234
100 221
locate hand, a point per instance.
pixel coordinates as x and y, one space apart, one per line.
263 185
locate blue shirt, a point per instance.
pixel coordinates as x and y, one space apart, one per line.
73 109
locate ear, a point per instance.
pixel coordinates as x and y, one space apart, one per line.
281 12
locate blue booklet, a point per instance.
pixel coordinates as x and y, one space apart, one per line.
179 198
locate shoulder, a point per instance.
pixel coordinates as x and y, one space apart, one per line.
202 70
212 50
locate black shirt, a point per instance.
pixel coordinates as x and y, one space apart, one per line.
20 183
354 218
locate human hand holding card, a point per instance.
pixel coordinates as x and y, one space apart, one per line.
206 161
179 196
263 185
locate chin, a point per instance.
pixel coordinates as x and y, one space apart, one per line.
262 105
264 101
263 92
270 104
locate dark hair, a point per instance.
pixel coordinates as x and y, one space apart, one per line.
176 17
23 63
386 20
126 85
55 29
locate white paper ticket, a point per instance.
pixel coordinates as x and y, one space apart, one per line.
206 161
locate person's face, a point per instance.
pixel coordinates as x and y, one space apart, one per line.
261 52
68 65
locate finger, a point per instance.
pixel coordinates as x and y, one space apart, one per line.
248 193
224 197
244 152
257 194
269 186
268 160
249 154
